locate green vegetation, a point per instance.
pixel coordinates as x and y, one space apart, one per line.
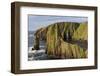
63 39
81 32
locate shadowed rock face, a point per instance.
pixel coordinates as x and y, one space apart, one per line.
63 40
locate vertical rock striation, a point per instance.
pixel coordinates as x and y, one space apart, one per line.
61 39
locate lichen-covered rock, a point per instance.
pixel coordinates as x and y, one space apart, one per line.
81 33
59 39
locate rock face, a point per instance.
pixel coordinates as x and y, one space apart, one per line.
63 40
81 32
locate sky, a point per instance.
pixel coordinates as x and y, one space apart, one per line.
38 21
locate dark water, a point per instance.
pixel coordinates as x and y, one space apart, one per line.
30 38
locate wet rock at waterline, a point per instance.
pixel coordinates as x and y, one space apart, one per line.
63 40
